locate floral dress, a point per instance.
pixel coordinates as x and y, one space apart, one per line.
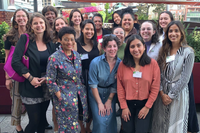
64 75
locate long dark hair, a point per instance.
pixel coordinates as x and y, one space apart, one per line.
13 33
71 15
46 36
160 30
155 37
93 39
167 44
119 13
128 58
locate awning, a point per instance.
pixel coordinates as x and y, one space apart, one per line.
178 2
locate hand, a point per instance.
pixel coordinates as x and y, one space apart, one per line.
108 106
166 99
42 80
35 82
143 113
9 84
102 110
125 114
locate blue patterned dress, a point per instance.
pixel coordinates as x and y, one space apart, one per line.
65 76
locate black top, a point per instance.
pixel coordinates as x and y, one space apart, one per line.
137 27
43 60
25 88
91 55
105 31
8 44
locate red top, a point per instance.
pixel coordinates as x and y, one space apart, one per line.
131 88
100 39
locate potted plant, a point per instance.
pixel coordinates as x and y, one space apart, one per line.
5 101
193 39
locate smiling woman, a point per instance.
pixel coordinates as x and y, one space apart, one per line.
36 98
50 14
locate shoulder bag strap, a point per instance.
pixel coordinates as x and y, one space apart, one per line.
26 46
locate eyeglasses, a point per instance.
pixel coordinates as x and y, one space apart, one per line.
109 35
121 33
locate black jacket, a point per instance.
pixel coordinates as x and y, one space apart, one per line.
105 31
25 88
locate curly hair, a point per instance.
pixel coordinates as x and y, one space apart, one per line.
55 33
32 35
13 33
49 8
167 44
110 37
155 37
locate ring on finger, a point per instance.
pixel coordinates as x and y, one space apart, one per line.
124 115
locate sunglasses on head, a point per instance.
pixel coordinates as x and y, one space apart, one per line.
107 35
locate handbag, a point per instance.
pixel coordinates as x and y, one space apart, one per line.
25 60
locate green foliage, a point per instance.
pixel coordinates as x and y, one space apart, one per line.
106 16
158 8
142 17
93 4
193 40
4 27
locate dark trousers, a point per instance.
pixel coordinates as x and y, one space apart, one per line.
37 117
136 125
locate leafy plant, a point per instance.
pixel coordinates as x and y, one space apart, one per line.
193 40
106 16
4 27
142 17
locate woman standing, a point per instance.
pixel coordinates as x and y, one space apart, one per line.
19 27
164 19
75 20
150 37
176 61
138 82
127 22
88 48
64 82
33 90
103 83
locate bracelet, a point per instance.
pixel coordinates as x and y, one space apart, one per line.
8 79
30 78
110 98
162 94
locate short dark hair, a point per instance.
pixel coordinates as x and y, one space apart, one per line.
125 11
160 30
110 37
47 35
66 30
128 58
71 15
94 38
97 15
49 8
155 37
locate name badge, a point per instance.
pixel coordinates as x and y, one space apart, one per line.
137 74
170 58
100 40
84 56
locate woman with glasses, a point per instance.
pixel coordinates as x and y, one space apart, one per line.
103 83
19 27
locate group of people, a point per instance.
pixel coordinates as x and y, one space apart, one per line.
85 70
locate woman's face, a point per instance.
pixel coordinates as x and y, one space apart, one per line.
111 49
146 31
59 24
117 18
76 18
127 22
119 32
164 20
50 16
88 31
21 18
174 34
38 25
137 49
67 42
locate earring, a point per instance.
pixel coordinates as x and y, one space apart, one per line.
16 26
32 31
